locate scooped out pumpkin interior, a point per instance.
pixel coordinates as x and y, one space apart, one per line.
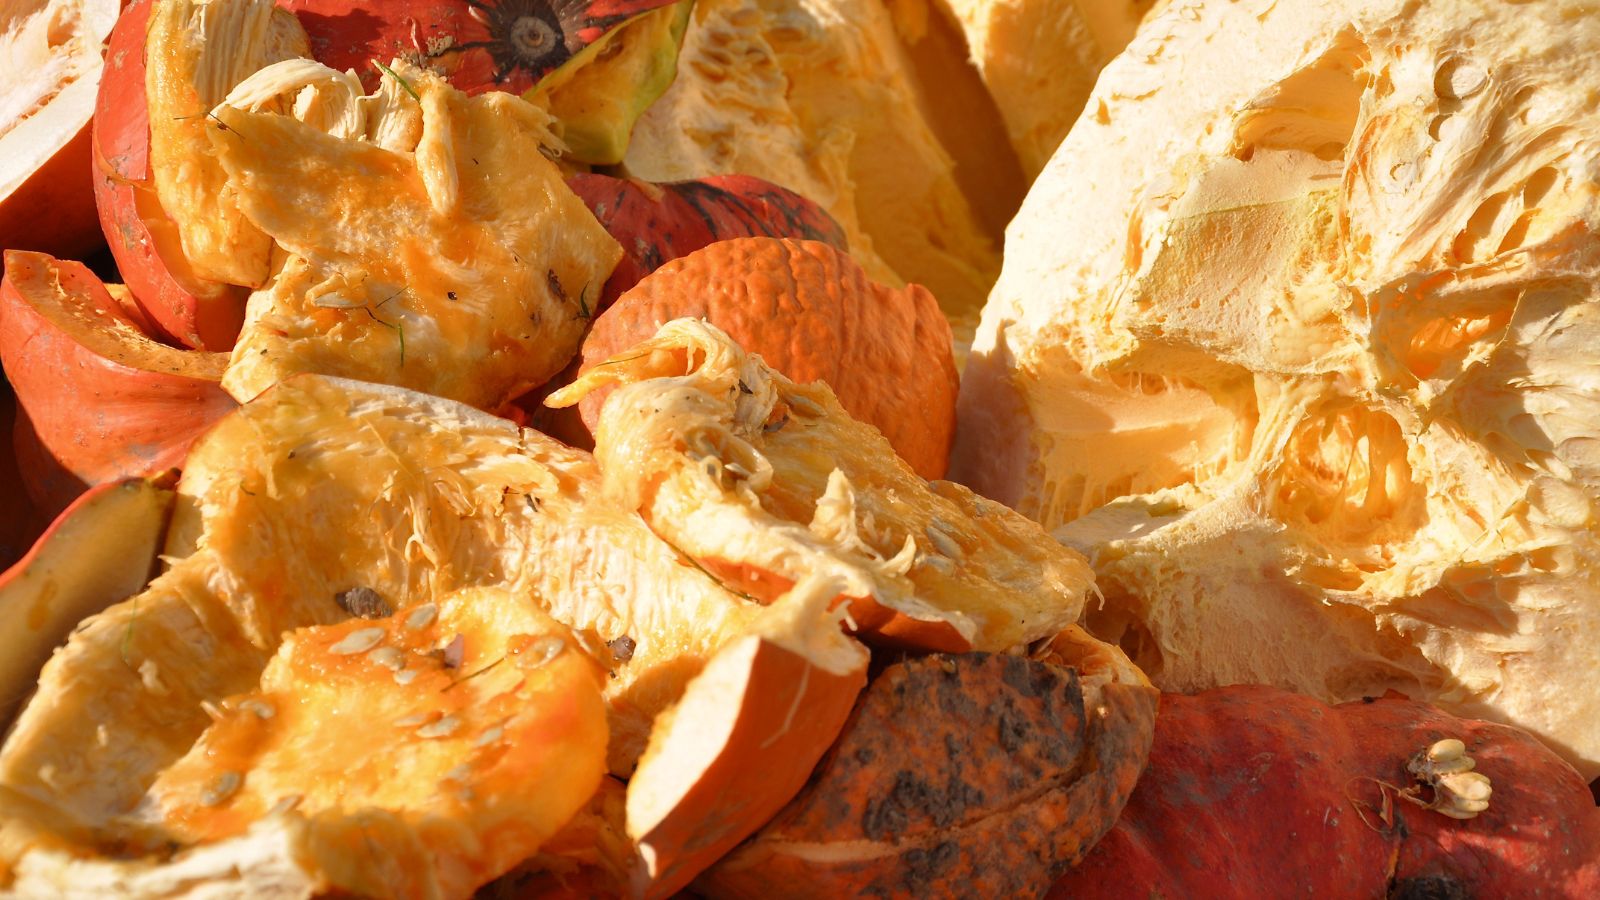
427 242
763 481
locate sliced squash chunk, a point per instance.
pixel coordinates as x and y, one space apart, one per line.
762 481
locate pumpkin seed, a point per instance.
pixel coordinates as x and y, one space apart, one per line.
358 642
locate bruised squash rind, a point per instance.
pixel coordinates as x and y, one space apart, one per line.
1016 768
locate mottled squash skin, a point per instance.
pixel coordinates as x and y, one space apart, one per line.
656 224
969 775
1254 791
813 315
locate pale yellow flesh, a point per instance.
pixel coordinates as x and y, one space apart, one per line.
50 63
101 552
1300 352
818 97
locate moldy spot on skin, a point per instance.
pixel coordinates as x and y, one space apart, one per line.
1427 887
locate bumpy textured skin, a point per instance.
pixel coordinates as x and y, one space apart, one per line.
765 482
104 401
1300 352
811 314
976 774
1255 783
1039 60
818 97
656 224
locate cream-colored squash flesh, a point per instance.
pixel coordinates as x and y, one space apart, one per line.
818 96
100 551
1301 353
1039 60
458 265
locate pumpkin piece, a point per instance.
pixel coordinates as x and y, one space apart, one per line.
104 401
51 60
818 98
596 100
813 315
743 738
504 742
324 498
1256 782
978 773
657 223
195 52
1320 406
763 481
459 270
1039 59
181 306
100 551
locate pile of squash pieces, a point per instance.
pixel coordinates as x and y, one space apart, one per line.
467 491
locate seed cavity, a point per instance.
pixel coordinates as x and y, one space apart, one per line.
358 642
542 650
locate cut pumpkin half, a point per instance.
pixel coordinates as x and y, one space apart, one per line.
51 59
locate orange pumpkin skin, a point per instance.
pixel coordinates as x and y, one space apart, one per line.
465 41
98 399
813 315
183 308
657 223
1251 792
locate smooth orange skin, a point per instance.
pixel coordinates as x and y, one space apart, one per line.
186 310
765 763
53 211
1251 787
813 315
89 418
